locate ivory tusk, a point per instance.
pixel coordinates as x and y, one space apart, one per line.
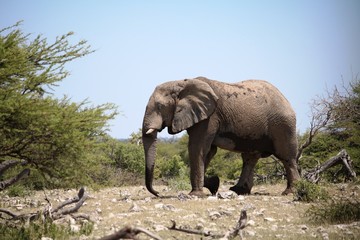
150 131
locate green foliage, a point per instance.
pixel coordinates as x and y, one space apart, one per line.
309 192
53 136
225 164
18 191
37 230
130 157
335 211
170 167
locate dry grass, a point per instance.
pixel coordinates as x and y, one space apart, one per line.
270 216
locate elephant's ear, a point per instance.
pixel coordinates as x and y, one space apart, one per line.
196 102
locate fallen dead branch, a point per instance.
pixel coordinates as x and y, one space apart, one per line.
130 233
9 164
241 224
48 212
342 157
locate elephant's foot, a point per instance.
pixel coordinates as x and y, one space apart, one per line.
241 190
198 193
287 191
212 183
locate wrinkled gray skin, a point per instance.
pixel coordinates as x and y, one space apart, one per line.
251 117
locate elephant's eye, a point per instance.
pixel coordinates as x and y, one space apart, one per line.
159 106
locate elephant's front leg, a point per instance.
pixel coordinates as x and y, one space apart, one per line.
199 156
246 180
197 172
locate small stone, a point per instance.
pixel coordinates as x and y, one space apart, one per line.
158 228
325 236
167 207
70 220
269 219
113 200
251 223
214 215
304 227
46 238
241 197
199 226
98 210
75 228
226 195
274 228
212 198
250 233
135 208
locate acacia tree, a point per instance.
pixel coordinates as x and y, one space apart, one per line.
38 131
335 126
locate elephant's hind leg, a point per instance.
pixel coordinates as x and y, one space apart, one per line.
292 175
287 155
246 180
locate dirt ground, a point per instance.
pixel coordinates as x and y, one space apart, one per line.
269 215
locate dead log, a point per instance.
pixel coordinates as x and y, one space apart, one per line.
342 157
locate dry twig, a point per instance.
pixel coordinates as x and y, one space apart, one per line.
53 214
241 224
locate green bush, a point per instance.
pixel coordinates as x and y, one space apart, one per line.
170 167
130 157
309 192
37 230
335 211
18 190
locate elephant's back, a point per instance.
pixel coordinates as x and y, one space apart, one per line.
255 103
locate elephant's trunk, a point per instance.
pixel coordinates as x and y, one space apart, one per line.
149 142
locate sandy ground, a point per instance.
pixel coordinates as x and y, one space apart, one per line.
269 215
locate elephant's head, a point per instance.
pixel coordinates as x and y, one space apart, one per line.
176 105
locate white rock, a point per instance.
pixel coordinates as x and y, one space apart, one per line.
269 219
274 227
251 223
214 215
75 228
325 236
241 197
46 238
167 207
158 228
212 198
250 233
227 195
70 220
98 210
135 208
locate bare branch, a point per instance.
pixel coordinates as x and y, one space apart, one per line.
6 183
342 157
80 199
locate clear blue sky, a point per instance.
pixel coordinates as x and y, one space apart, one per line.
302 47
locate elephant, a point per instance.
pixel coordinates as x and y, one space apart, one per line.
251 117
